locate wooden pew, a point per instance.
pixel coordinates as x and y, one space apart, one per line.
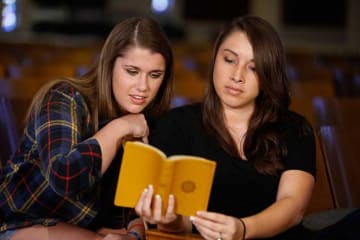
340 137
13 112
19 88
308 75
153 234
2 70
322 198
343 164
16 96
9 135
188 84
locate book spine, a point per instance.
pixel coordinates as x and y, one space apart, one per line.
165 182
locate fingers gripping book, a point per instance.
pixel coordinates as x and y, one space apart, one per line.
188 178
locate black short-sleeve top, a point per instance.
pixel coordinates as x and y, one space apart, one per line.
238 189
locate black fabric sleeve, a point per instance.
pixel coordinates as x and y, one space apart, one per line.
301 149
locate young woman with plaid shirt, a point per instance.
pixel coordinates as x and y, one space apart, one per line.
55 185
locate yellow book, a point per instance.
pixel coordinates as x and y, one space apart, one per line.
188 178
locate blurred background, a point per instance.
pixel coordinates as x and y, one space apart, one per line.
43 39
321 25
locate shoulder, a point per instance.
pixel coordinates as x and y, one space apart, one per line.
300 142
64 97
177 130
179 118
65 92
63 89
299 134
296 123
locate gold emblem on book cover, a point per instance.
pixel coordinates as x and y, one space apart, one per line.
188 186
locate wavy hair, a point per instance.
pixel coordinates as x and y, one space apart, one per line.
263 143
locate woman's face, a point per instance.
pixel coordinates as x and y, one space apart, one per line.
235 78
137 76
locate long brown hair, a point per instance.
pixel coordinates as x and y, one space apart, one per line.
96 85
263 144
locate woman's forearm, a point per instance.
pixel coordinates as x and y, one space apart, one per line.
273 220
109 138
293 196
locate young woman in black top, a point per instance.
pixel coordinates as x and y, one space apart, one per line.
265 153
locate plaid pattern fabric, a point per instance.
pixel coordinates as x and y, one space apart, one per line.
55 172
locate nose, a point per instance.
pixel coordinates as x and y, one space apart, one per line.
237 75
142 84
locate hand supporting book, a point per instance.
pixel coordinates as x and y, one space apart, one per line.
188 178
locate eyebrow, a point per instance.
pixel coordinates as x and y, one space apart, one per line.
137 68
231 51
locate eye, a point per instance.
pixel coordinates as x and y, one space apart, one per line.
156 75
252 68
229 60
131 72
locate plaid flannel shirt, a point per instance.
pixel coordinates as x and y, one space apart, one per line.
55 173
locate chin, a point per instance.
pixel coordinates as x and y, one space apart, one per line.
135 110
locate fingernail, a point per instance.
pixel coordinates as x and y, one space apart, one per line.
192 218
157 196
150 186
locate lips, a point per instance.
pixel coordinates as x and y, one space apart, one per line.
233 90
137 99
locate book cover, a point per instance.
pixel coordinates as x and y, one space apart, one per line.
188 178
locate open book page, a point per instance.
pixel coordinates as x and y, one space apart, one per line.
192 181
141 166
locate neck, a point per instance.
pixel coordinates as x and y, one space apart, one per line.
235 118
237 122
